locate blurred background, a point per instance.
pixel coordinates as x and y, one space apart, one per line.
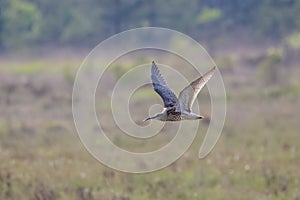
255 44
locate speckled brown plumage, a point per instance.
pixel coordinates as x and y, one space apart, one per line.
172 115
176 109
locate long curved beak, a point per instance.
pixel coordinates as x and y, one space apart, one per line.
147 119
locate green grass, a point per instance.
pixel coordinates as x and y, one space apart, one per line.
41 157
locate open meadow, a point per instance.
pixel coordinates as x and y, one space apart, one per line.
256 157
255 45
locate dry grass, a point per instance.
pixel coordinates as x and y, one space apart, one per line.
41 157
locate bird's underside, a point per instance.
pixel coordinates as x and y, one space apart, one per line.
173 115
176 109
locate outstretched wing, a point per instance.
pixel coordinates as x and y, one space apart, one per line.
161 87
188 95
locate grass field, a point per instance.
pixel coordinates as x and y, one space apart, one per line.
256 157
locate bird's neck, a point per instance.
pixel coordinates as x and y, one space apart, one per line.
161 116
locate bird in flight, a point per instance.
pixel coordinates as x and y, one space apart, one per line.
176 109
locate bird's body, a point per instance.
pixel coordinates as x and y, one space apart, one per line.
177 109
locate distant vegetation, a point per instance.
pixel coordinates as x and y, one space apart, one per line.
258 153
77 22
257 156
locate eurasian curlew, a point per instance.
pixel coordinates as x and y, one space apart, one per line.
176 109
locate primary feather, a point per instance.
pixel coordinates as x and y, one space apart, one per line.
188 95
161 87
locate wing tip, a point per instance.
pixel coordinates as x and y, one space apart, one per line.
154 64
212 71
154 67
